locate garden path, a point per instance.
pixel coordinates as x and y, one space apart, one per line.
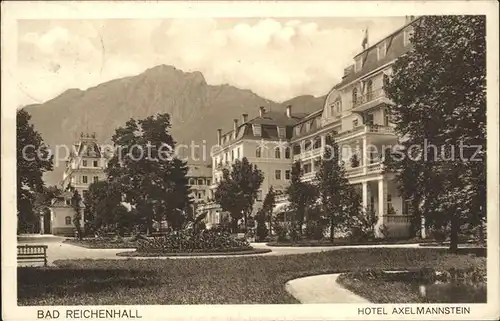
321 289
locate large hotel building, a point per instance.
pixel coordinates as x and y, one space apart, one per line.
354 113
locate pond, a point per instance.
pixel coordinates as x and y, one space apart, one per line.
438 287
451 292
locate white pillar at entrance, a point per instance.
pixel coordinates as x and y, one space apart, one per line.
365 196
42 225
382 200
365 156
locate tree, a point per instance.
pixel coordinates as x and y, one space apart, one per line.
33 159
438 92
268 206
262 230
144 166
237 191
101 200
339 199
76 201
301 196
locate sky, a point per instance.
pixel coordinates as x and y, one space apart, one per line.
276 58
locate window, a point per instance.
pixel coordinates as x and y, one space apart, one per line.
317 163
281 132
354 123
277 174
369 90
200 181
387 117
354 96
191 181
287 152
317 142
297 130
277 152
208 181
84 179
308 127
67 202
386 80
407 36
406 206
296 149
390 209
96 179
338 104
307 145
258 152
84 163
358 64
369 119
257 130
287 174
332 109
381 50
95 163
232 154
67 220
307 168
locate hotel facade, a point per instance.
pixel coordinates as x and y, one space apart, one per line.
354 114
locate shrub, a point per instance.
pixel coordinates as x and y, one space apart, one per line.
187 241
314 230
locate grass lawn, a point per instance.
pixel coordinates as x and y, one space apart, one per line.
232 280
341 242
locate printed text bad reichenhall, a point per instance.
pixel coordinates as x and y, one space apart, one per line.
90 314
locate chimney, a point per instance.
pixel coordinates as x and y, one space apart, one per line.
244 118
289 111
219 136
235 128
262 110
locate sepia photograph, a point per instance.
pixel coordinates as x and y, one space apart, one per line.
253 159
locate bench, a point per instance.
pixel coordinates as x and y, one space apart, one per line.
32 253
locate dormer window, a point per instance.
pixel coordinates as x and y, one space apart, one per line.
297 130
358 64
281 132
407 33
257 130
381 50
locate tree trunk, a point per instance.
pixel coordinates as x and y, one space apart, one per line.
454 234
332 233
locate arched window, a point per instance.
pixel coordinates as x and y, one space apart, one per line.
386 80
369 90
67 220
317 142
258 152
307 145
277 152
296 149
354 96
287 152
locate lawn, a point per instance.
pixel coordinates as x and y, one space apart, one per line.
232 280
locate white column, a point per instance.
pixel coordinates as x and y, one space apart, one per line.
42 225
365 196
422 228
365 156
382 195
323 143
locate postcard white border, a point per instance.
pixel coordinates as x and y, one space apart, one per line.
13 11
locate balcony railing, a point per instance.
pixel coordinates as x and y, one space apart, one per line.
354 171
397 219
369 96
366 129
375 167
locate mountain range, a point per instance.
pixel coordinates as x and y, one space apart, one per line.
196 108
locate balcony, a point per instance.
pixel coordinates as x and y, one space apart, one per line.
397 219
365 129
370 99
311 153
373 168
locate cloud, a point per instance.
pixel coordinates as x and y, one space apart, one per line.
276 58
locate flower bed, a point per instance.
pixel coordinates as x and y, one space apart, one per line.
188 241
104 243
